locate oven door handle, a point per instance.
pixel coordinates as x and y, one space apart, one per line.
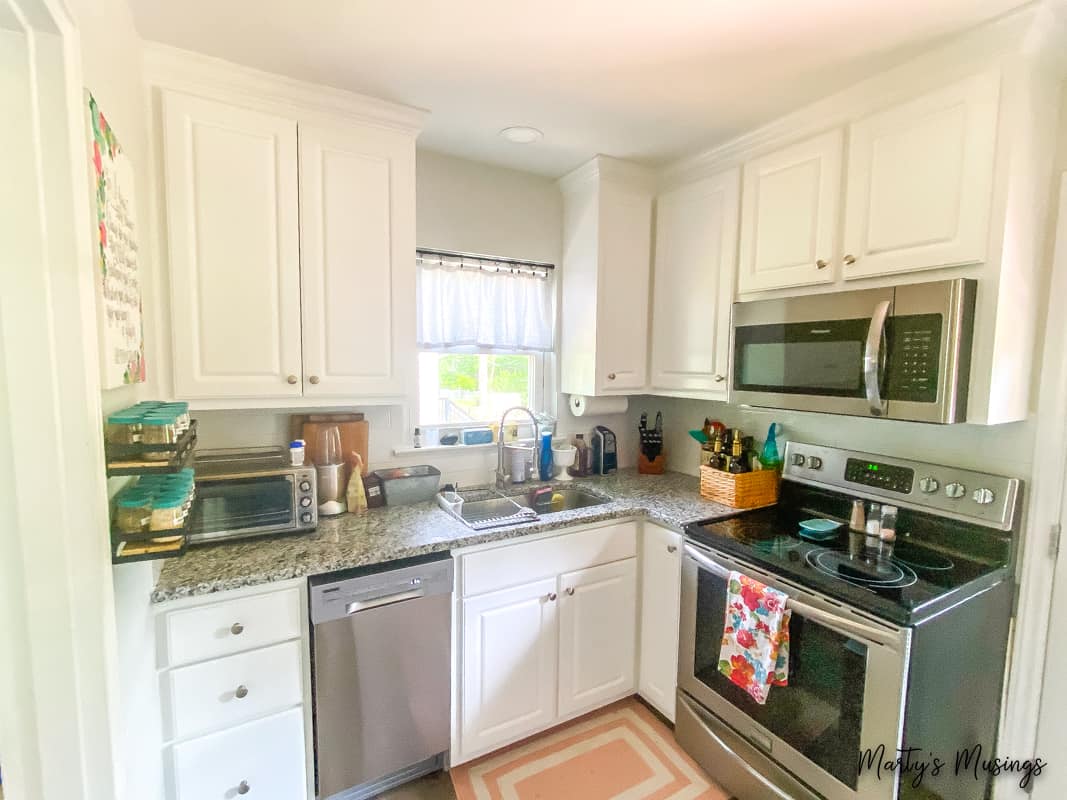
850 627
873 357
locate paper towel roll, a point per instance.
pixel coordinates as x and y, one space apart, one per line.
582 405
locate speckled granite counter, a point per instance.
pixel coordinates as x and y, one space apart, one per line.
389 533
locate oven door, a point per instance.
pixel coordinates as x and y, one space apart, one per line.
247 506
847 677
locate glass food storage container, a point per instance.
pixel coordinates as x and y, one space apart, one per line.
133 512
168 511
123 427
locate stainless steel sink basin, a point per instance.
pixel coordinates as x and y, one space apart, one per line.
482 509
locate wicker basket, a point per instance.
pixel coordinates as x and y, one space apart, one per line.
747 490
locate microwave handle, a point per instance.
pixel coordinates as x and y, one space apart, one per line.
873 357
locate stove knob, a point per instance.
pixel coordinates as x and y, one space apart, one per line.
815 462
929 485
799 460
983 497
955 490
305 486
305 502
306 517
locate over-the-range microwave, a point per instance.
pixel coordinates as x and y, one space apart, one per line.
899 352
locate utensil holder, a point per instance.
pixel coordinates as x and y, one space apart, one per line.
746 490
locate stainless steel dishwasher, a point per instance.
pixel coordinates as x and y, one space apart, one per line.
381 661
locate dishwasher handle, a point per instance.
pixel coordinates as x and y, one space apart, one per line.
385 600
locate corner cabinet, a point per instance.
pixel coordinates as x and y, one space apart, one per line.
291 245
693 287
607 234
661 586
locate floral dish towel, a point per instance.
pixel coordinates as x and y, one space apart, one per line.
755 641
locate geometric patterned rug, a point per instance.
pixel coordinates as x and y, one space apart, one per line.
621 752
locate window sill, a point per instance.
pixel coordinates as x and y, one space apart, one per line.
407 450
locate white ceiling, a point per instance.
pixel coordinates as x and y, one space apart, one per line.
648 81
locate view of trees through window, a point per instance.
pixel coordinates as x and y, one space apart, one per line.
472 387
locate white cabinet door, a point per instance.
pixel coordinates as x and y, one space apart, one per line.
261 759
661 576
509 664
693 287
597 635
789 215
920 181
622 296
233 229
357 238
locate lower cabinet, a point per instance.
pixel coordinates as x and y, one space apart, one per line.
597 635
537 653
661 575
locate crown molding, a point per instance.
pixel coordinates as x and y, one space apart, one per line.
609 169
983 48
173 68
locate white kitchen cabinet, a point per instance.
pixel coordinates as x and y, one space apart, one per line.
607 230
232 218
920 181
789 215
693 286
597 635
509 664
357 240
661 576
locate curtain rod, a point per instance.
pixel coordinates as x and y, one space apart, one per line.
489 260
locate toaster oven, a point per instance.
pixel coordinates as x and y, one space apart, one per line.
251 491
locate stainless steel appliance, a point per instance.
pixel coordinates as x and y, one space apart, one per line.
892 645
605 451
251 491
381 666
901 352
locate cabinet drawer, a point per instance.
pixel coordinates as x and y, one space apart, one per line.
266 756
226 691
244 623
516 564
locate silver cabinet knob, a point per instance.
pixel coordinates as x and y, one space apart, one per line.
719 378
237 629
314 379
821 264
672 548
849 260
292 379
929 485
243 788
815 462
570 591
983 497
955 490
241 693
551 597
611 376
799 459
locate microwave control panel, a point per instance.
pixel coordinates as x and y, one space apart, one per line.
914 355
883 476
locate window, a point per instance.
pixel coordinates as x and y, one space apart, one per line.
485 335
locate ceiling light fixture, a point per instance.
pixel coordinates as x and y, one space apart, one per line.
521 134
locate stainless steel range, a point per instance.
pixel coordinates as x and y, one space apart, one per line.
892 645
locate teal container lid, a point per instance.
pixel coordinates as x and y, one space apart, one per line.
134 501
126 417
157 418
169 501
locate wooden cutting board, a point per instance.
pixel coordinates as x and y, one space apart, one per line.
355 434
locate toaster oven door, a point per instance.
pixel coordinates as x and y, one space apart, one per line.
238 507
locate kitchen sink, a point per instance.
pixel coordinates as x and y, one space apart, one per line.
481 509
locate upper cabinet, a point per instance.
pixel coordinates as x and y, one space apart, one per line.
790 218
920 181
607 231
291 240
233 224
357 243
693 286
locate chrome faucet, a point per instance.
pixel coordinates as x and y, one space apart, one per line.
503 479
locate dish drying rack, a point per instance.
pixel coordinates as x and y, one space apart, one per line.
452 503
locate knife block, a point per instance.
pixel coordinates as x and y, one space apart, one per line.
656 466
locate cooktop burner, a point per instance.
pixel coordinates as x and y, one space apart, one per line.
922 559
862 571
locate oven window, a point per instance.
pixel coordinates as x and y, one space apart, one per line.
802 358
820 712
233 505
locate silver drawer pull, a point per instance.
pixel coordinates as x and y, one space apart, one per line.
237 629
672 548
241 693
570 590
243 787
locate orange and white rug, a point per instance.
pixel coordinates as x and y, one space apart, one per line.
622 752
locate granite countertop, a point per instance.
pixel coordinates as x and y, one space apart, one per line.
392 532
